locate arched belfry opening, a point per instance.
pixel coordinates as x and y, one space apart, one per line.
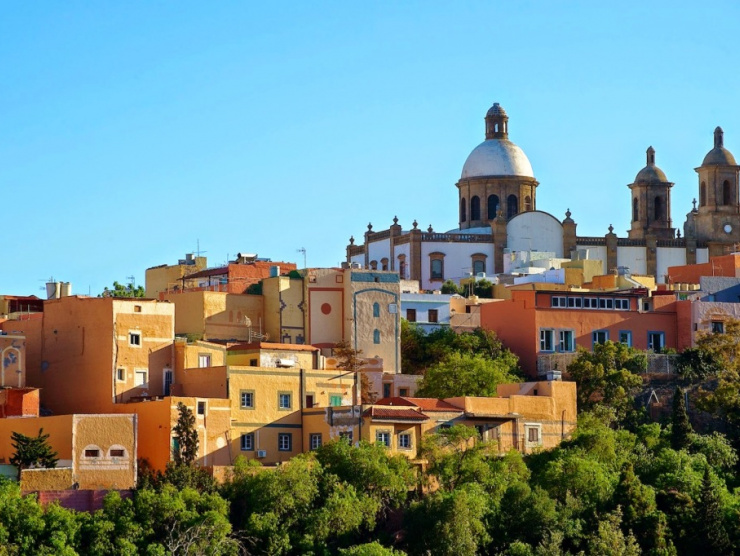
651 201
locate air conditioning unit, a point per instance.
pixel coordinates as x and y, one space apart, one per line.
261 453
285 363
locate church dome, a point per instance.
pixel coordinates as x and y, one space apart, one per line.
719 155
651 173
497 156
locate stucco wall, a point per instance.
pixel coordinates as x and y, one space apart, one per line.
47 479
535 231
458 262
633 258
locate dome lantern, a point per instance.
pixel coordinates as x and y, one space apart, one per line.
497 122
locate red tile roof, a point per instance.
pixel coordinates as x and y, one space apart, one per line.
425 404
396 414
269 345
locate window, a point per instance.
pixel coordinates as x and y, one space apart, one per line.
134 338
309 400
137 308
204 360
247 442
635 210
622 304
247 399
479 267
492 206
656 341
600 336
374 265
117 453
433 315
392 308
403 392
315 441
533 435
121 375
387 389
285 442
402 269
335 400
606 303
437 269
718 327
575 302
346 436
557 301
566 340
404 441
411 315
376 336
462 210
141 377
284 401
201 408
376 309
384 438
625 337
512 206
726 193
253 363
590 303
703 194
475 208
92 453
527 203
546 339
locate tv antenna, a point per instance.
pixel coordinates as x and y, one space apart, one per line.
198 252
303 250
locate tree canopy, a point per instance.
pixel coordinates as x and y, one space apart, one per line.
121 290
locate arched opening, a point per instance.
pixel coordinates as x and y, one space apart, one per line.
463 216
635 210
527 203
492 206
376 309
703 195
474 208
658 209
726 193
512 206
376 336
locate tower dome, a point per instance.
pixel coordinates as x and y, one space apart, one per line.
719 155
650 173
497 156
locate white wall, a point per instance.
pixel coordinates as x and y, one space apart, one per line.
535 231
403 250
634 258
668 256
702 255
458 262
378 250
596 253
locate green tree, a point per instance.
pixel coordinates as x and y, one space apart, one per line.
681 430
711 534
32 451
609 376
609 538
120 290
450 288
370 549
696 364
185 449
461 374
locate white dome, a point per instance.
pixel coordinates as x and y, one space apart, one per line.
497 157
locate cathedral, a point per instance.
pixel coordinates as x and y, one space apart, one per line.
498 219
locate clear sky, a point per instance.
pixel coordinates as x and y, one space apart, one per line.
131 131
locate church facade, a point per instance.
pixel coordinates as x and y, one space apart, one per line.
498 218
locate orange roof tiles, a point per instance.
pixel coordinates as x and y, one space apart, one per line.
396 414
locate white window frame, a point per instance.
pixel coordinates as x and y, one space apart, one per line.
384 437
285 442
558 301
594 337
282 397
137 374
315 440
622 304
561 340
547 335
530 427
204 360
590 302
244 393
246 442
135 338
404 441
121 374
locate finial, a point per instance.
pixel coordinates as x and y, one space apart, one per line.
678 234
694 203
650 156
718 138
351 240
369 227
415 223
395 220
611 229
429 229
567 213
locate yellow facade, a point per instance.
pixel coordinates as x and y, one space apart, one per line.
166 277
99 449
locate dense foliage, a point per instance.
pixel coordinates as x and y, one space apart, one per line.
123 290
32 451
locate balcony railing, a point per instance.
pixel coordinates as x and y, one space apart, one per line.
657 363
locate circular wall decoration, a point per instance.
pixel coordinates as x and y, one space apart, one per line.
326 308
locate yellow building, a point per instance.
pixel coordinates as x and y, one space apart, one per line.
95 452
166 277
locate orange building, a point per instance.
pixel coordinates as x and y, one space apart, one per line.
536 323
236 276
724 265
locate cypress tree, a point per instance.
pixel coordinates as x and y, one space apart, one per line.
681 430
711 536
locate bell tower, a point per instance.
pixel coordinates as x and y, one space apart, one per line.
651 202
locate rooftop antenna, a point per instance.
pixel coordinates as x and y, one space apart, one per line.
132 281
303 250
197 249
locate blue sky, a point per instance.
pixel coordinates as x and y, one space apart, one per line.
130 131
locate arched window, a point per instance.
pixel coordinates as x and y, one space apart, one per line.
376 336
402 266
492 206
658 208
479 267
437 267
703 195
376 309
527 203
512 206
635 210
463 216
726 193
475 208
